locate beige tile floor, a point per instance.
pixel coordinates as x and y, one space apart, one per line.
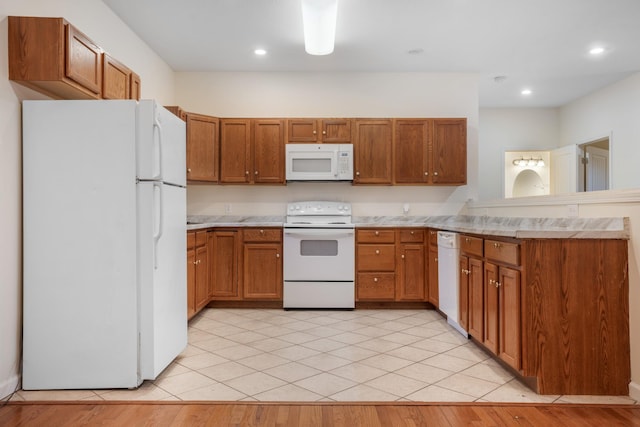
361 355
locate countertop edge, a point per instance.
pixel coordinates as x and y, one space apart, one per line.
522 228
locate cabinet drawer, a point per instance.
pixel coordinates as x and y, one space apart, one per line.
376 286
376 258
191 239
471 245
433 237
508 253
376 236
201 238
412 236
262 235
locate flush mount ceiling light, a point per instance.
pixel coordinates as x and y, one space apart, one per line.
596 51
260 52
319 20
526 92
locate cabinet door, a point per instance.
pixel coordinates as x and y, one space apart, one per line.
135 86
262 271
372 148
476 299
235 151
509 319
116 79
268 151
491 304
336 130
202 277
83 61
463 293
449 152
202 148
410 144
411 273
433 276
302 130
191 283
223 255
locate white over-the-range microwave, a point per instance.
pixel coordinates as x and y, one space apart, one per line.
319 162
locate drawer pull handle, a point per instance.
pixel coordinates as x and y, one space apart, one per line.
497 245
261 231
412 233
375 279
377 233
466 239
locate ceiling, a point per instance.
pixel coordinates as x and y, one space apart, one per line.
538 44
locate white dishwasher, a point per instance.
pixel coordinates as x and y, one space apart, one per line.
449 277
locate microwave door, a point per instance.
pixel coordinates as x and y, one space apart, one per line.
321 165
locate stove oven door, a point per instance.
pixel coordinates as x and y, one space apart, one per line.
319 254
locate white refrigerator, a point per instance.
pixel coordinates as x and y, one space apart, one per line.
104 227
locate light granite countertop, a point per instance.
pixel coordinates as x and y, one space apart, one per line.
544 228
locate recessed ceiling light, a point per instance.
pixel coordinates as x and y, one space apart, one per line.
596 50
260 52
526 92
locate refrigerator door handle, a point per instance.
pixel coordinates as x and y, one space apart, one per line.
158 129
159 214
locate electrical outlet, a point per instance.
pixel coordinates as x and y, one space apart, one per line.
405 208
572 211
227 208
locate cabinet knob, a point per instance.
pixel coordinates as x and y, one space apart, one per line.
402 256
188 170
324 132
357 173
436 259
314 132
412 233
246 172
375 279
432 232
466 239
261 231
377 233
277 255
377 251
496 245
435 173
426 173
255 173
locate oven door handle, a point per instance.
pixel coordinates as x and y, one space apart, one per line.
326 233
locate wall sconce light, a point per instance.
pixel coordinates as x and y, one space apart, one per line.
531 162
319 20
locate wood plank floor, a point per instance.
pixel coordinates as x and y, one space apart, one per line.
52 414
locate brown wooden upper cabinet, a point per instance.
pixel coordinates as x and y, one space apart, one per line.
116 79
319 130
430 151
53 57
252 151
372 147
202 146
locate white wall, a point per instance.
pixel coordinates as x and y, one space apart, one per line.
613 111
97 21
511 129
333 95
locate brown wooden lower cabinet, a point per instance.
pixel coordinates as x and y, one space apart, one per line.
197 272
224 247
391 265
433 290
555 310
